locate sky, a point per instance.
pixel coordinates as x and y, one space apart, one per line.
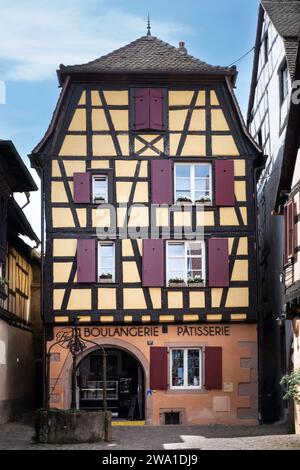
36 36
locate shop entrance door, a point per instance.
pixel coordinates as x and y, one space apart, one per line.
125 384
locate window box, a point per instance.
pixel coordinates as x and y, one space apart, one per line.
196 284
203 202
106 279
99 200
177 284
196 281
184 202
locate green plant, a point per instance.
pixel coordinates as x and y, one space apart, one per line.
176 280
195 280
183 199
204 199
3 281
99 198
106 276
291 383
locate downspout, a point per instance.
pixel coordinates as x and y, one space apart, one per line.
42 285
258 290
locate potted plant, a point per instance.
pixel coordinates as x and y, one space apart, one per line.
206 200
176 282
99 199
3 287
184 200
291 384
105 277
3 282
195 281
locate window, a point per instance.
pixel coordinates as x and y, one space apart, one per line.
266 47
100 188
186 261
283 82
106 262
193 182
185 368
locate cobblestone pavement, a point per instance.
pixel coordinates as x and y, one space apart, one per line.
17 435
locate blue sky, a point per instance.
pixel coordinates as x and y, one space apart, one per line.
36 36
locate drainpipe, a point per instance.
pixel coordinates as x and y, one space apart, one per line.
258 290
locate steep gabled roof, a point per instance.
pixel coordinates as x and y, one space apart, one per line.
13 166
146 54
285 16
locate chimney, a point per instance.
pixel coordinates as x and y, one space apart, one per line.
182 49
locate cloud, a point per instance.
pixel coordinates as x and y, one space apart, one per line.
36 36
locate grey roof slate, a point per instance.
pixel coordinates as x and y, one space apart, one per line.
285 15
147 54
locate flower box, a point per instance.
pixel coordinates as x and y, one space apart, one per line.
177 284
196 284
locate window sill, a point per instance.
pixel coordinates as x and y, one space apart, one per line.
106 281
187 391
186 286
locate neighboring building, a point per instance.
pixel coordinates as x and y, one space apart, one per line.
148 124
288 204
274 61
20 345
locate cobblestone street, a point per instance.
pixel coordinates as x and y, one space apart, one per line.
17 435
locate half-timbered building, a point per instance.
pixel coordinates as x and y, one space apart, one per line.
20 322
147 143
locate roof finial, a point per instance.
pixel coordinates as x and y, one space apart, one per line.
148 26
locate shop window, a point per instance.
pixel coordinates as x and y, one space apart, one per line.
186 368
186 261
193 182
106 262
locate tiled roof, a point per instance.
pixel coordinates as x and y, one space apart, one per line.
285 15
147 54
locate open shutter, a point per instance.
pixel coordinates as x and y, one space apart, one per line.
213 368
82 187
224 183
141 113
153 263
86 260
158 368
290 230
161 182
156 108
218 262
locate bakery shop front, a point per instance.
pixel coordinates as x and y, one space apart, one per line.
162 374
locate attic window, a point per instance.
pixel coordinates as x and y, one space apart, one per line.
283 82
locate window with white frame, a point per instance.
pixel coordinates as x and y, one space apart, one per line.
186 261
100 188
193 182
106 262
186 368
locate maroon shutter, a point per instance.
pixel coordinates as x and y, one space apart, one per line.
218 267
161 182
142 114
86 260
224 183
213 368
82 187
158 368
153 263
156 109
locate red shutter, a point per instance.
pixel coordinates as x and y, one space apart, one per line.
86 260
158 368
161 182
82 187
218 262
156 109
224 183
290 230
153 263
142 114
213 368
